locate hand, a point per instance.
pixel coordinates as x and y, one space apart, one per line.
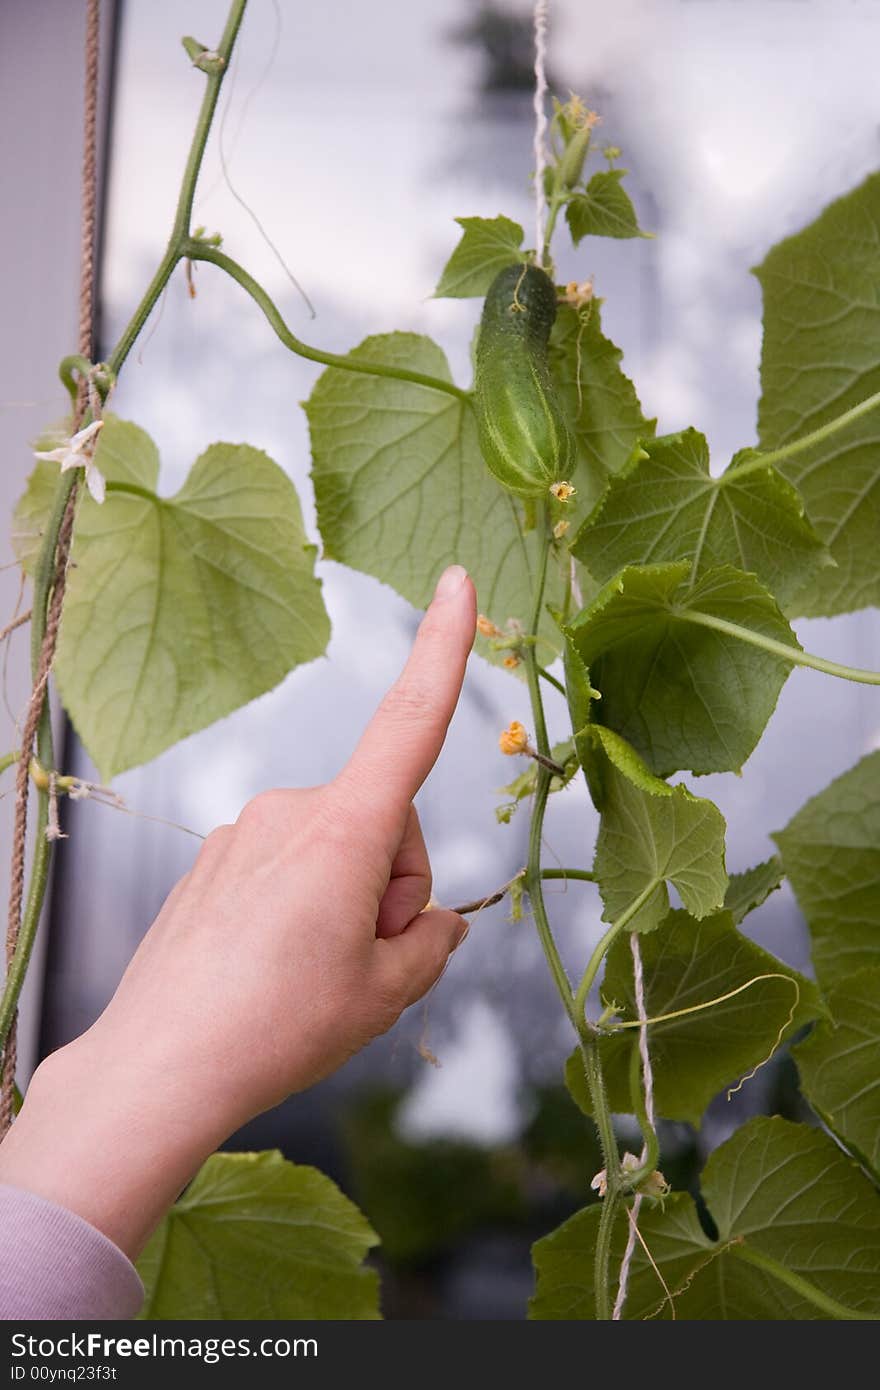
300 933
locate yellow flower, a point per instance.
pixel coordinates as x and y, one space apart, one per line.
563 492
487 628
511 662
578 295
579 114
513 739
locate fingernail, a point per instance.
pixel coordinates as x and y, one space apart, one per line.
450 581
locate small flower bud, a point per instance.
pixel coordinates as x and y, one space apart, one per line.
578 295
487 628
203 58
513 739
560 529
654 1185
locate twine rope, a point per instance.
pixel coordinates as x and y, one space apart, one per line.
540 144
648 1083
38 694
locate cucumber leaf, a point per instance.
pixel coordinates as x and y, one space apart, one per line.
821 357
685 695
487 245
838 1065
798 1239
257 1237
752 887
402 490
599 400
665 505
178 610
604 209
831 853
652 833
687 963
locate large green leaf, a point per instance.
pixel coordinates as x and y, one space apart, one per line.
685 695
605 209
402 489
838 1065
798 1238
831 854
821 357
787 1193
665 505
599 400
752 887
565 1260
654 834
255 1236
688 963
487 245
178 610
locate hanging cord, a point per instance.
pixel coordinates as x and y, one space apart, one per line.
540 147
62 553
648 1082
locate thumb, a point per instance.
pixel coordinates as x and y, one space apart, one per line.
411 962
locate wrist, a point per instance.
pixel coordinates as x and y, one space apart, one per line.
109 1134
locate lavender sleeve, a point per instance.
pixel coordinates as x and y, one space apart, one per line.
54 1265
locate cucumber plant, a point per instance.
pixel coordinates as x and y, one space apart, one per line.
659 596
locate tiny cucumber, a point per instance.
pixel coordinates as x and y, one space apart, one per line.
524 437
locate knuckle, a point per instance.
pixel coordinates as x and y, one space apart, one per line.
265 810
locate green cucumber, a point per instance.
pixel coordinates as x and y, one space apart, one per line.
524 437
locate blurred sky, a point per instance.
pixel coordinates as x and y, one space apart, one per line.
356 133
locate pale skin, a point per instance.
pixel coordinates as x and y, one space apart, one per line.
300 933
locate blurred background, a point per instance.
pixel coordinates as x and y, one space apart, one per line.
353 135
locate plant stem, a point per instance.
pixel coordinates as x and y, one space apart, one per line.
604 945
8 759
533 881
797 446
781 649
198 251
180 229
610 1202
555 204
224 49
827 1305
45 568
542 787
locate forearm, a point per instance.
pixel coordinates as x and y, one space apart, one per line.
110 1134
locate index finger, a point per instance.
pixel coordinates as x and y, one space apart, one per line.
403 739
